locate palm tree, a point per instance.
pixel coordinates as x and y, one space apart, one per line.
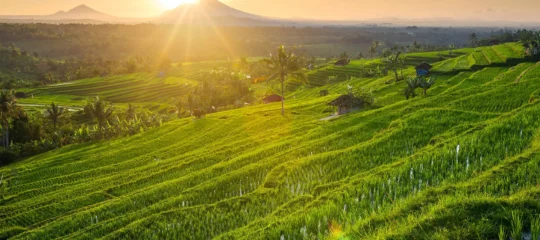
131 112
8 110
401 62
393 62
474 39
99 110
54 113
372 51
373 48
451 50
282 65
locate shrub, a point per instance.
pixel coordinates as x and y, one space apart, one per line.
7 156
323 93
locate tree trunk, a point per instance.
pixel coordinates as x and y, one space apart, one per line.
425 91
282 95
397 75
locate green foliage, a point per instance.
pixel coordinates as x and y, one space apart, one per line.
392 172
535 227
502 233
283 65
517 225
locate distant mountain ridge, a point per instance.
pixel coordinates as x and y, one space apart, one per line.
214 12
206 10
81 12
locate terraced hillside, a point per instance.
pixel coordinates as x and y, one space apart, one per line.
139 87
455 164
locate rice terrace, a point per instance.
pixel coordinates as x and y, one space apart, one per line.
196 120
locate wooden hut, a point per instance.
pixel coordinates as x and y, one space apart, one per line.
423 69
272 98
347 103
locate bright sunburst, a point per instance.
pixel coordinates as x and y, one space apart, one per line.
170 4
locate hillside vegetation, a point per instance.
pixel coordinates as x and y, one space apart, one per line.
459 163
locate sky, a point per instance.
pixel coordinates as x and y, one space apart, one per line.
490 10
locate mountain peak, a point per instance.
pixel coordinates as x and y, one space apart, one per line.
82 9
81 12
205 9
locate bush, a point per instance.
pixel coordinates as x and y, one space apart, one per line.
198 113
7 156
323 93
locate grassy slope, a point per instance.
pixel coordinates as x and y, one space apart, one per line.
390 172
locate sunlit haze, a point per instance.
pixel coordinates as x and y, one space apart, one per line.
490 10
170 4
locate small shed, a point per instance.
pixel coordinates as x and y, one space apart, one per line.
342 62
272 98
423 69
347 103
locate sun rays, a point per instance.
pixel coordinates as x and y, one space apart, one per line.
170 4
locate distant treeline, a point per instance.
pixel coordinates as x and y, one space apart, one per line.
20 68
198 43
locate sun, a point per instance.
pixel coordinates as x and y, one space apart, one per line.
170 4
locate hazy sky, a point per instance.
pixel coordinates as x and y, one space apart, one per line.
508 10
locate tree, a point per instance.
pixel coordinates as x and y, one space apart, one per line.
242 64
393 63
344 56
401 61
131 111
426 83
372 51
100 111
281 66
373 48
54 114
412 84
451 50
8 111
474 39
360 56
49 77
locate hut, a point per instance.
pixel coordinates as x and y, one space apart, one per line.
342 62
272 98
423 69
347 103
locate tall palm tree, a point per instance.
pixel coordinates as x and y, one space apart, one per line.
372 51
100 111
54 113
474 39
373 48
282 65
451 50
402 61
8 111
393 62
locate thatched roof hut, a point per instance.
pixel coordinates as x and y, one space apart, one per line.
424 66
423 69
347 103
272 98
